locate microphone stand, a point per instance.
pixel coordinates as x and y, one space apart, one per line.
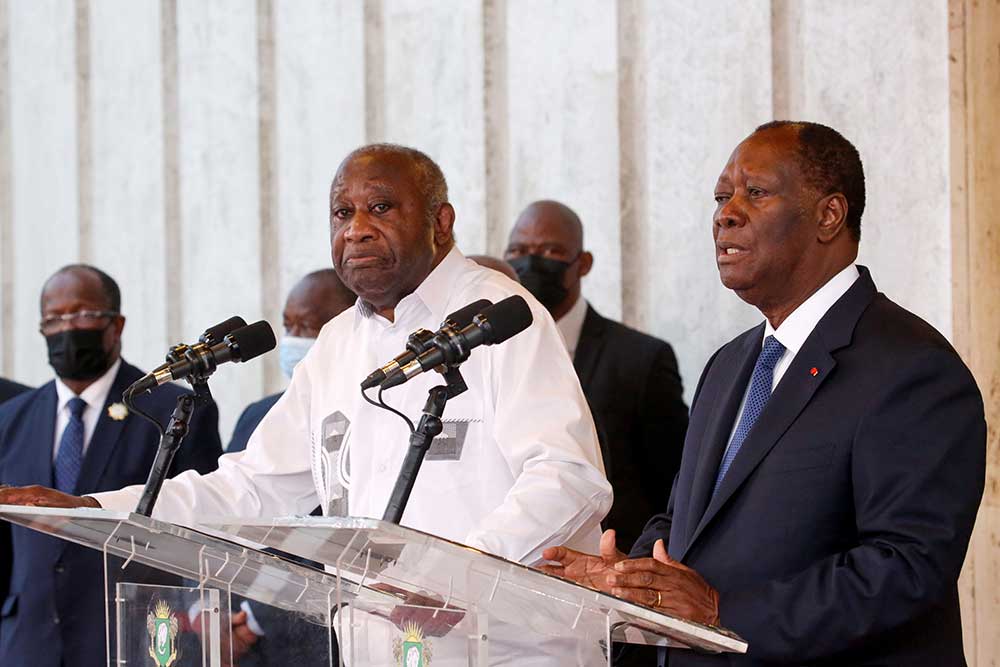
430 427
170 438
170 442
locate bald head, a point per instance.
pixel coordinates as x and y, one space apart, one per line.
546 250
315 300
550 221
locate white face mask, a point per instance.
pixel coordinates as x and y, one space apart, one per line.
291 351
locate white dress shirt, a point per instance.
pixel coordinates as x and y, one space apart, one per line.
520 471
94 396
571 325
795 329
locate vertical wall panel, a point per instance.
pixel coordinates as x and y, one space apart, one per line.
563 125
43 166
219 181
6 223
126 126
696 104
320 118
881 78
433 96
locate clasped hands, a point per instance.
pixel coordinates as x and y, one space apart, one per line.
659 582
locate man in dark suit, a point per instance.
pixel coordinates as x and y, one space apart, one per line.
73 433
630 379
10 389
825 522
315 300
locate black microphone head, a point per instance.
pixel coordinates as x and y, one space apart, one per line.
462 317
504 319
251 341
215 334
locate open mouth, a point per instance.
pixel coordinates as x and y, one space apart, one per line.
730 252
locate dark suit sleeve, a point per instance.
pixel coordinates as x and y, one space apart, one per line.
202 447
664 421
918 467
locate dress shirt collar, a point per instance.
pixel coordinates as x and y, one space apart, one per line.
95 395
570 325
792 333
431 296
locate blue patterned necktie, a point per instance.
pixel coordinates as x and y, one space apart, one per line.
760 392
69 459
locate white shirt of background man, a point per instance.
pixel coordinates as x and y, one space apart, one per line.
571 325
95 396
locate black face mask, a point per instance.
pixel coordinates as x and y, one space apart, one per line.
78 354
543 277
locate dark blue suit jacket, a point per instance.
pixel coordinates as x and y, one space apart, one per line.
247 423
53 608
837 536
10 389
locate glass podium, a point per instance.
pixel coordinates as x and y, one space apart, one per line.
387 595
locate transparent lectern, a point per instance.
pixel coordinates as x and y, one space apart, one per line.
389 595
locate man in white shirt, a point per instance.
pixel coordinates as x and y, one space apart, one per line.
835 457
517 467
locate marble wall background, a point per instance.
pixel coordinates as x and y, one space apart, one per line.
186 146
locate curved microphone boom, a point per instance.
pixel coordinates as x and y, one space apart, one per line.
450 347
201 360
420 340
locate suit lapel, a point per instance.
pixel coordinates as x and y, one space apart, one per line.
793 393
107 433
717 435
588 348
40 454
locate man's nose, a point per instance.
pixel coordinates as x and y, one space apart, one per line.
359 229
729 214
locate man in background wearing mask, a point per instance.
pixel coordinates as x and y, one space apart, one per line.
74 434
315 300
630 379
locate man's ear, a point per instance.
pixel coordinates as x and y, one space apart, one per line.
586 263
831 212
444 224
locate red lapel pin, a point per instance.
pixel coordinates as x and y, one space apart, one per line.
814 371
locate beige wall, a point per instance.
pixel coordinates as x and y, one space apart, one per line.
975 164
186 147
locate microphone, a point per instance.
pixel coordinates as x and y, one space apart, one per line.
418 342
450 347
211 336
242 344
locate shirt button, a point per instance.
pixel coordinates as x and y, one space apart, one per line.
55 619
60 569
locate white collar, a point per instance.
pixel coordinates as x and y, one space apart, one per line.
792 333
95 395
431 295
570 325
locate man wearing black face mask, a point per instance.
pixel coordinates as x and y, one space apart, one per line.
630 379
74 434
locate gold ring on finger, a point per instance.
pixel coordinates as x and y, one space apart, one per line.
658 599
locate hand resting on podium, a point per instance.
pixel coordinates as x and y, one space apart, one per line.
659 582
40 496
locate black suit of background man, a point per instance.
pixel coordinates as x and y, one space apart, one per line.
54 591
837 533
630 379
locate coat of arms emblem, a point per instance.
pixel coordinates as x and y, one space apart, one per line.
412 650
162 625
